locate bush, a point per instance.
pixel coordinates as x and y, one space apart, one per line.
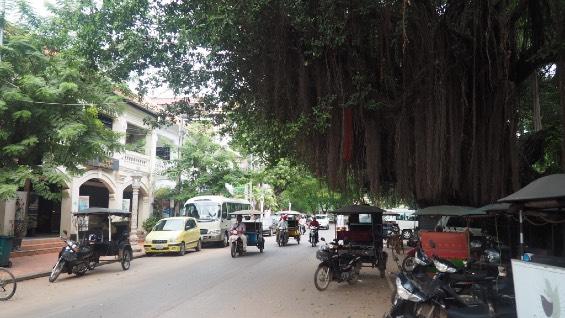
150 222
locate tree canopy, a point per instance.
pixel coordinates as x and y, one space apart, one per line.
49 107
414 98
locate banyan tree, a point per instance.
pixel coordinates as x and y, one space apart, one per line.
413 97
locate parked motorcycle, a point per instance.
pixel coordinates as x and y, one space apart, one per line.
335 266
313 236
452 293
74 258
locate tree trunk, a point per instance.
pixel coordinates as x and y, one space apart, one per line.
561 79
536 115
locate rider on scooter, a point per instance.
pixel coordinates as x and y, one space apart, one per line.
314 223
237 230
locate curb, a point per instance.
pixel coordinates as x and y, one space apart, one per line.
45 274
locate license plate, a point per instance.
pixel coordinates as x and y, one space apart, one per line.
159 246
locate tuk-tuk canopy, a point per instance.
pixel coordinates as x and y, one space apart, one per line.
547 188
358 209
493 207
451 210
102 211
288 213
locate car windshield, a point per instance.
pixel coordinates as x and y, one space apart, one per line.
169 225
321 217
203 211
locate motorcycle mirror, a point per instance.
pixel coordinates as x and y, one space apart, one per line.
65 232
322 239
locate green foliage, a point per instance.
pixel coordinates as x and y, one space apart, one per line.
150 222
49 105
204 166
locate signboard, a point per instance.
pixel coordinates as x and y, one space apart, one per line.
450 245
539 288
126 204
83 202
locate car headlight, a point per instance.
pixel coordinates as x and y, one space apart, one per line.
443 267
407 291
215 232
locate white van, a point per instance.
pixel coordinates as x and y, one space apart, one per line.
212 214
405 219
324 221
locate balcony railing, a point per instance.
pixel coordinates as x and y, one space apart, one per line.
136 161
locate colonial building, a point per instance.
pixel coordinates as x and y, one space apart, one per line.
127 181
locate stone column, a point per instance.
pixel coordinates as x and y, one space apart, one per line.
134 208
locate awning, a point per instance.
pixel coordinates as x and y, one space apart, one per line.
547 188
452 210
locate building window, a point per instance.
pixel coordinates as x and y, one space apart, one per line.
135 138
106 120
164 152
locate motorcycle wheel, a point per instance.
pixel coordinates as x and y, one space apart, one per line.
298 240
126 259
226 241
7 284
322 277
91 265
56 271
233 249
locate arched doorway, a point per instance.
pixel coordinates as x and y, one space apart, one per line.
94 193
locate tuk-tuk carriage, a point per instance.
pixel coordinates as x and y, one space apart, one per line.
293 229
101 232
362 235
253 232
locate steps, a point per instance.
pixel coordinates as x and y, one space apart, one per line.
39 246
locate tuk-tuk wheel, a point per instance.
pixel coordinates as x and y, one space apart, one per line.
382 273
298 240
126 259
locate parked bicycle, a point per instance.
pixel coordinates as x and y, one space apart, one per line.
7 284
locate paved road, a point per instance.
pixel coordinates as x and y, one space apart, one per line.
276 283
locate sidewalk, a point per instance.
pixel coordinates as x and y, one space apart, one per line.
34 266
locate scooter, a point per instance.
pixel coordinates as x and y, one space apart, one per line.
73 259
335 266
236 244
282 236
313 236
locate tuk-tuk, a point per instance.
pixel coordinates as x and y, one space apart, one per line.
253 232
101 232
362 234
293 229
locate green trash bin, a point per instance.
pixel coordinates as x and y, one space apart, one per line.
5 249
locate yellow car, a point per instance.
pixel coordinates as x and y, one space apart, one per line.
173 235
